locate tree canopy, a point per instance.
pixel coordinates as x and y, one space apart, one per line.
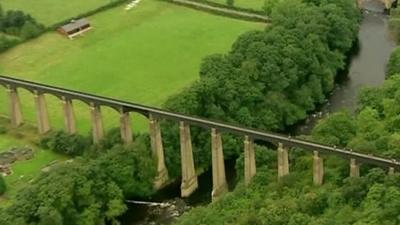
16 26
270 79
88 191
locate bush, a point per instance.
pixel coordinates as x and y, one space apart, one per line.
394 23
111 138
393 66
230 2
3 186
68 144
3 130
17 23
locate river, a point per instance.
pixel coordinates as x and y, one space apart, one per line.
366 68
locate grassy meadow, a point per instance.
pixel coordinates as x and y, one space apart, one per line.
144 55
49 12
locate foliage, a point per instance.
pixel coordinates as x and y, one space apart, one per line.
16 26
393 66
358 201
337 129
394 23
269 5
3 186
17 23
230 2
68 144
375 129
111 138
87 191
271 78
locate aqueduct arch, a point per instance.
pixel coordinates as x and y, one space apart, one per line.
189 176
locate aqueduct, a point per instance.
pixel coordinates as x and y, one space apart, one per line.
189 176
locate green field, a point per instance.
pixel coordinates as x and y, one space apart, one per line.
247 4
50 12
143 55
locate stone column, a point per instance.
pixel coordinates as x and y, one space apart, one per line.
158 151
391 171
249 160
354 168
220 185
15 107
189 177
318 169
360 3
97 123
126 129
43 122
69 116
388 4
283 161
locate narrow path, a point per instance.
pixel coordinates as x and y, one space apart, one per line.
231 12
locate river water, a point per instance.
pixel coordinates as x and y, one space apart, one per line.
366 68
367 65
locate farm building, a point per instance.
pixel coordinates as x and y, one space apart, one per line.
75 27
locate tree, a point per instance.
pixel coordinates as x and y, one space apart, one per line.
68 144
230 3
338 129
30 30
269 5
18 26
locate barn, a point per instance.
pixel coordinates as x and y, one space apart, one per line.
75 27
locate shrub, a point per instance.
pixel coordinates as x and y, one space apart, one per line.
68 144
3 186
230 2
393 66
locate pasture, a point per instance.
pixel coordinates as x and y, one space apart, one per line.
49 12
144 55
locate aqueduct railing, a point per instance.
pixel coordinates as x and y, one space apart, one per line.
189 177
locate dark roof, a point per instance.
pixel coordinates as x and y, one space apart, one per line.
75 24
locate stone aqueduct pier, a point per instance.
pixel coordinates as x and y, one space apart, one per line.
189 176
